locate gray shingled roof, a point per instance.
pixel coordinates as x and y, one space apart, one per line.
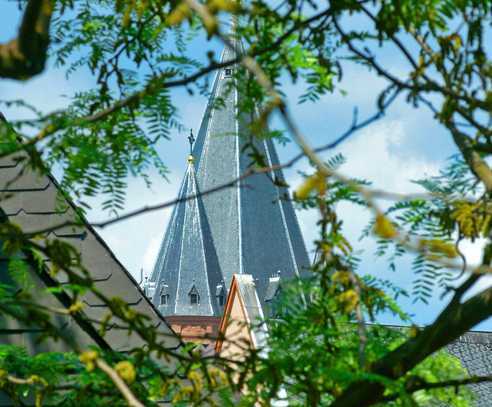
253 229
34 202
474 349
188 263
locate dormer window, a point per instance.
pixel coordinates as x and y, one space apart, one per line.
220 294
228 72
273 288
163 294
194 296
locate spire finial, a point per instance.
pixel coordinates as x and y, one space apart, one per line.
191 140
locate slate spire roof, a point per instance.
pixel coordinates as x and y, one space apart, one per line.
186 271
250 228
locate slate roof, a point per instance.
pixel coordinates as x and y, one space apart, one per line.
474 349
253 229
188 263
34 202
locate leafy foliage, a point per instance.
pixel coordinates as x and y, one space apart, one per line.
322 350
314 351
452 214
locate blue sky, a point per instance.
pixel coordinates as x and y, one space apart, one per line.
406 144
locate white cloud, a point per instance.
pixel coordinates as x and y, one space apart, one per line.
377 155
473 252
136 241
151 252
48 91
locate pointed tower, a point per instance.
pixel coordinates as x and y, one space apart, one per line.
250 228
187 272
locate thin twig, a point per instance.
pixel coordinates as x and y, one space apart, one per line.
119 383
361 323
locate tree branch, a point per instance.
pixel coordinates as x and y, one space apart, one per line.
25 56
161 82
476 163
454 321
415 384
119 383
361 323
448 383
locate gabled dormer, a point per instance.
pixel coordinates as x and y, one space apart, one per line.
220 294
164 297
194 296
273 288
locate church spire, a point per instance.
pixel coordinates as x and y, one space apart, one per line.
186 271
248 228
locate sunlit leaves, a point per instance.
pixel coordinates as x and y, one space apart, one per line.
178 14
19 272
314 347
384 228
313 182
473 219
434 224
133 49
88 358
435 248
126 371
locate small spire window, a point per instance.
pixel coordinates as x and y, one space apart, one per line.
194 296
228 72
163 294
164 299
220 294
